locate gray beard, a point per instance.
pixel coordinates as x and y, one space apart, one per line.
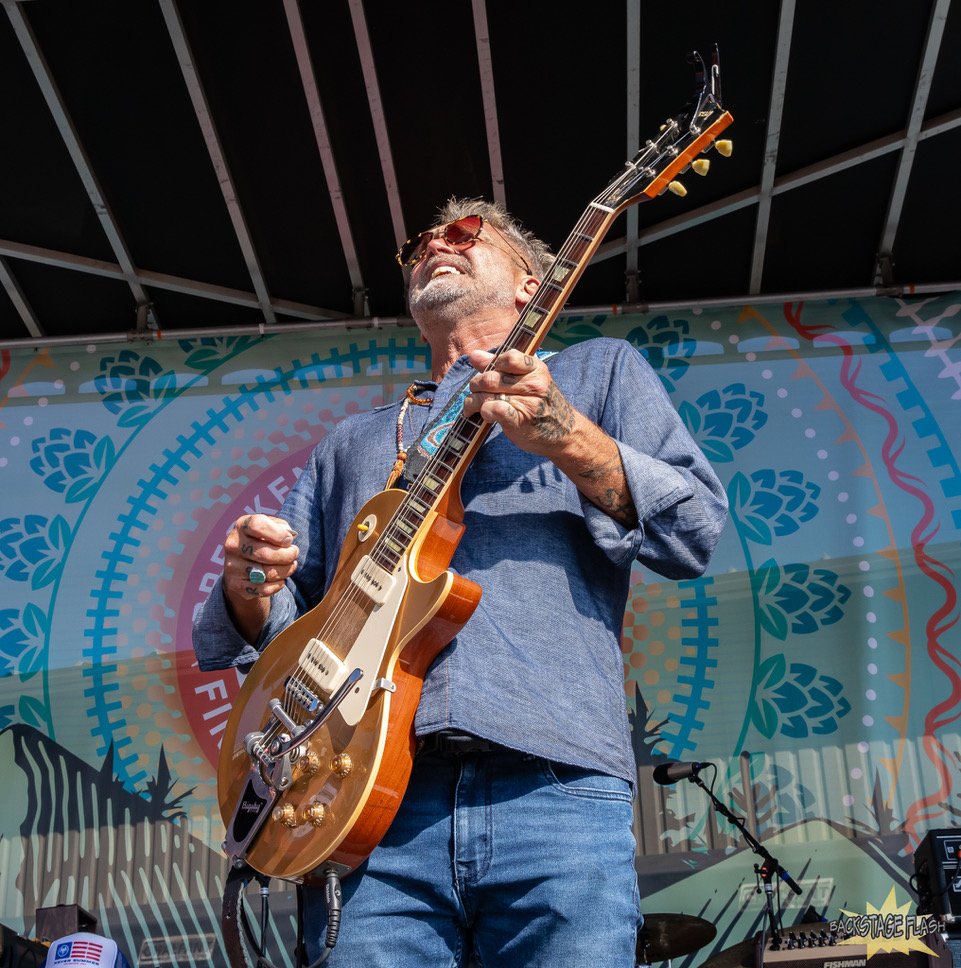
450 303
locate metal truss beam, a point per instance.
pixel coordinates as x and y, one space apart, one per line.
218 159
55 103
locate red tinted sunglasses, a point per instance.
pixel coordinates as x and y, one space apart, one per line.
458 232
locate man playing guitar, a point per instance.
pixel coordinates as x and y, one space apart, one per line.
513 844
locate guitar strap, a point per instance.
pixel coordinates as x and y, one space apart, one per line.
432 436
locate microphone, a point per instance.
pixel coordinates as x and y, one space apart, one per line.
668 773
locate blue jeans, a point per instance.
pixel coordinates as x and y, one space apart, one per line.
497 859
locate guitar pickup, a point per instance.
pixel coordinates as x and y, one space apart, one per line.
375 582
327 671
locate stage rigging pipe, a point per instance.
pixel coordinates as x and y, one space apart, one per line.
383 322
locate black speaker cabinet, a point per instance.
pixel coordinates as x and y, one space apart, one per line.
937 873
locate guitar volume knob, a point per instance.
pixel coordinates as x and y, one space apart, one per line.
315 814
309 764
285 814
342 764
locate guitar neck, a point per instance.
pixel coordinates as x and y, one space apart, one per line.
540 313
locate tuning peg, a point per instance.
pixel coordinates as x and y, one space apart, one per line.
724 147
700 166
677 188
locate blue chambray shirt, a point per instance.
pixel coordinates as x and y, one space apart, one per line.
538 667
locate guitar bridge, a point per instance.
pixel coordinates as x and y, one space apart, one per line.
297 690
274 754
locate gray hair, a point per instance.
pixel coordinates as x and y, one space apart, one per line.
537 253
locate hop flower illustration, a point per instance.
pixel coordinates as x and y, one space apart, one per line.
772 503
208 353
132 386
667 347
723 421
22 641
72 462
32 548
799 598
796 701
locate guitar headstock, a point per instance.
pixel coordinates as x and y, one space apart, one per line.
677 146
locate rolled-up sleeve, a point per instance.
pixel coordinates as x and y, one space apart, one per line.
681 504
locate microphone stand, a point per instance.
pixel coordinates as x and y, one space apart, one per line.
766 871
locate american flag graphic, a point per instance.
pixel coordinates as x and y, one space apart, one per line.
79 951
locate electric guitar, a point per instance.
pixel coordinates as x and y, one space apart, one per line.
319 744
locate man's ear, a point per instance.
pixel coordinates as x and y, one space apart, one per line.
525 290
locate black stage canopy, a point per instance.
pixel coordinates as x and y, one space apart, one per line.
219 166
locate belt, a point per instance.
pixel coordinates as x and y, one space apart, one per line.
445 742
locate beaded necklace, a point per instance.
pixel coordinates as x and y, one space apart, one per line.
398 467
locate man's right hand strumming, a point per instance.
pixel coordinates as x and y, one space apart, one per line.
259 556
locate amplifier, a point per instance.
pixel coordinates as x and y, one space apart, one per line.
937 875
818 955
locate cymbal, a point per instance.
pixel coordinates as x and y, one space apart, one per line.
740 955
665 936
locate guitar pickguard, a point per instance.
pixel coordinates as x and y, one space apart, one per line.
367 653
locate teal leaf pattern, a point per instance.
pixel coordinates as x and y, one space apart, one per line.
132 386
772 503
797 700
764 714
33 548
22 641
667 346
72 462
800 599
207 353
33 712
724 421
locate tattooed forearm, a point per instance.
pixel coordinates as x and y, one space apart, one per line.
612 466
619 506
607 488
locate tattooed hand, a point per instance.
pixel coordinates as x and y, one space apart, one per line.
263 546
519 393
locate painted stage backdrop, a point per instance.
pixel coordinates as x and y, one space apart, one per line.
815 665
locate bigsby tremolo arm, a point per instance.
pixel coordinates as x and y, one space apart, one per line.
276 756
